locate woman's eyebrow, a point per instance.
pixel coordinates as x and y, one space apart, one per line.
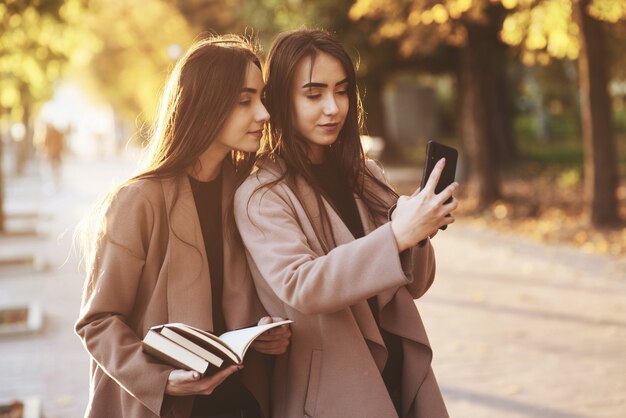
314 85
248 90
322 85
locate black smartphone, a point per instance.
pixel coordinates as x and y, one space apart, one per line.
435 152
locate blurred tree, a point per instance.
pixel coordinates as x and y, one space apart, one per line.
576 29
551 97
542 29
269 17
418 27
137 44
37 42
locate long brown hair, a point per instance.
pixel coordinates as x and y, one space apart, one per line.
199 95
284 143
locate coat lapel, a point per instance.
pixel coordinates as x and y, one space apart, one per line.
390 301
396 309
188 268
342 235
242 307
394 318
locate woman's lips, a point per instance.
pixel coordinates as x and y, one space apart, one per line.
330 127
257 134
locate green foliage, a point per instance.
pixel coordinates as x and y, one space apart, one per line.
37 41
619 121
545 29
419 26
130 63
525 126
566 152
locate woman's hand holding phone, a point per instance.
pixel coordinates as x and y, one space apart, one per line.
420 215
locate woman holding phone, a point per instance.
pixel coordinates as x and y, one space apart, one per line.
163 248
323 252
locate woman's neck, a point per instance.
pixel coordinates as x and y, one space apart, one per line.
208 166
316 154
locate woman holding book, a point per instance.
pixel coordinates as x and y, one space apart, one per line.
165 248
314 221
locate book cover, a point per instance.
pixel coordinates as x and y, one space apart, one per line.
191 348
168 351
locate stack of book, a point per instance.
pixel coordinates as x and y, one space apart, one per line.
190 348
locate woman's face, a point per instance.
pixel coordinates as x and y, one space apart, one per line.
243 128
320 101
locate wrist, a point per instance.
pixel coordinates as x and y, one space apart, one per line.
401 242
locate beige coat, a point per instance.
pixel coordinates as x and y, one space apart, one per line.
152 268
333 367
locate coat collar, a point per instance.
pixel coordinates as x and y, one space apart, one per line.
187 265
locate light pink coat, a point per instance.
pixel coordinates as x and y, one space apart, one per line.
152 269
333 367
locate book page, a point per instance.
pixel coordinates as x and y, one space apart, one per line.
239 340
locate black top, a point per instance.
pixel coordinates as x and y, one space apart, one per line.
208 198
339 194
231 395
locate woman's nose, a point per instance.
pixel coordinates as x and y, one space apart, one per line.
330 106
262 114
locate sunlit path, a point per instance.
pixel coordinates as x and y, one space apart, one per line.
52 365
521 329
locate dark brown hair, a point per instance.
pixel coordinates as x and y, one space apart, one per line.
200 94
284 143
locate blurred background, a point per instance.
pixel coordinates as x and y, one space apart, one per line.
528 315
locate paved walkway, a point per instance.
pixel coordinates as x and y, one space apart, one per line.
52 364
519 329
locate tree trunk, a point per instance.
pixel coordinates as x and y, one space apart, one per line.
476 117
374 108
503 120
502 108
600 159
24 147
2 213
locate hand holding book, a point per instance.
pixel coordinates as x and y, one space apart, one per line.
188 382
274 341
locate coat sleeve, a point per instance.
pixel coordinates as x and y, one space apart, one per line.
278 248
422 269
109 300
417 262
